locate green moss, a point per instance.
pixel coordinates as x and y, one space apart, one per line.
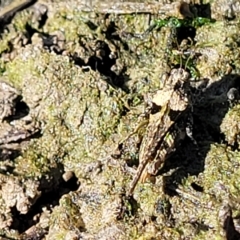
83 119
177 23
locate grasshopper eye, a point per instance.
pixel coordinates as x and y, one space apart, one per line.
184 75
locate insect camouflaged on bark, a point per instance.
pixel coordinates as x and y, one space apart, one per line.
166 127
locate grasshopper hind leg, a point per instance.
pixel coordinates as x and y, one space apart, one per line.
140 176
